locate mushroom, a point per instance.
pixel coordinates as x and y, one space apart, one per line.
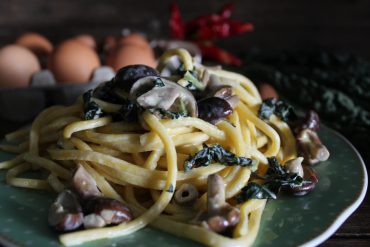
213 109
294 166
128 75
101 211
166 95
65 214
186 194
310 121
220 215
310 146
84 184
309 183
220 90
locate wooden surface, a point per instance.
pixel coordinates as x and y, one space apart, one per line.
285 24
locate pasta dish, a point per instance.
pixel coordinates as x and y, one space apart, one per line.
188 149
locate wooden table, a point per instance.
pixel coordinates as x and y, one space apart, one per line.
354 232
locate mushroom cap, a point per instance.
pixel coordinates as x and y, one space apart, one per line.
150 96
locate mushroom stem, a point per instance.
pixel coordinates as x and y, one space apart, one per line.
311 147
216 193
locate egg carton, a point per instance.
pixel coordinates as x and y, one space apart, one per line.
23 104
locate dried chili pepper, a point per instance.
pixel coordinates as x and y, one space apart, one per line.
208 20
176 24
209 27
214 52
221 29
226 10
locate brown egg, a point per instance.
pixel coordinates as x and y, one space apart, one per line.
124 55
134 39
86 39
110 42
36 43
17 64
73 62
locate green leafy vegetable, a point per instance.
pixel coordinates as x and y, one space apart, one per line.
170 189
218 154
168 114
128 111
191 76
275 179
267 108
255 191
158 82
281 109
194 83
91 109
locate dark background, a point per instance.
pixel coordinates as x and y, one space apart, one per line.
283 24
335 25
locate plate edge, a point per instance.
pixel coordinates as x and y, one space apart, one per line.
351 208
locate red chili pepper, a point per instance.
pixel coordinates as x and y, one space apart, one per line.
221 29
226 10
213 52
176 24
237 27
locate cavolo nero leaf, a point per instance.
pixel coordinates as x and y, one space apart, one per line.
158 82
255 191
275 179
217 153
278 107
191 76
91 109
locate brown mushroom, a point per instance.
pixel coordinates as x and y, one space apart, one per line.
101 211
310 121
213 109
65 214
167 96
220 90
309 183
294 166
186 194
220 215
84 184
310 146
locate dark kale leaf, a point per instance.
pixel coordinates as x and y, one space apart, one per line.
276 178
284 111
281 109
162 113
192 77
91 109
106 92
129 111
255 191
170 189
275 168
267 108
158 82
218 154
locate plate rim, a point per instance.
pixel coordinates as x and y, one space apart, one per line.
350 209
326 234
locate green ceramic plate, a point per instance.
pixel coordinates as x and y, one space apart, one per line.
288 221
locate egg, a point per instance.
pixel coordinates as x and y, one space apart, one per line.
36 43
129 50
124 55
134 39
17 64
109 43
73 62
87 40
